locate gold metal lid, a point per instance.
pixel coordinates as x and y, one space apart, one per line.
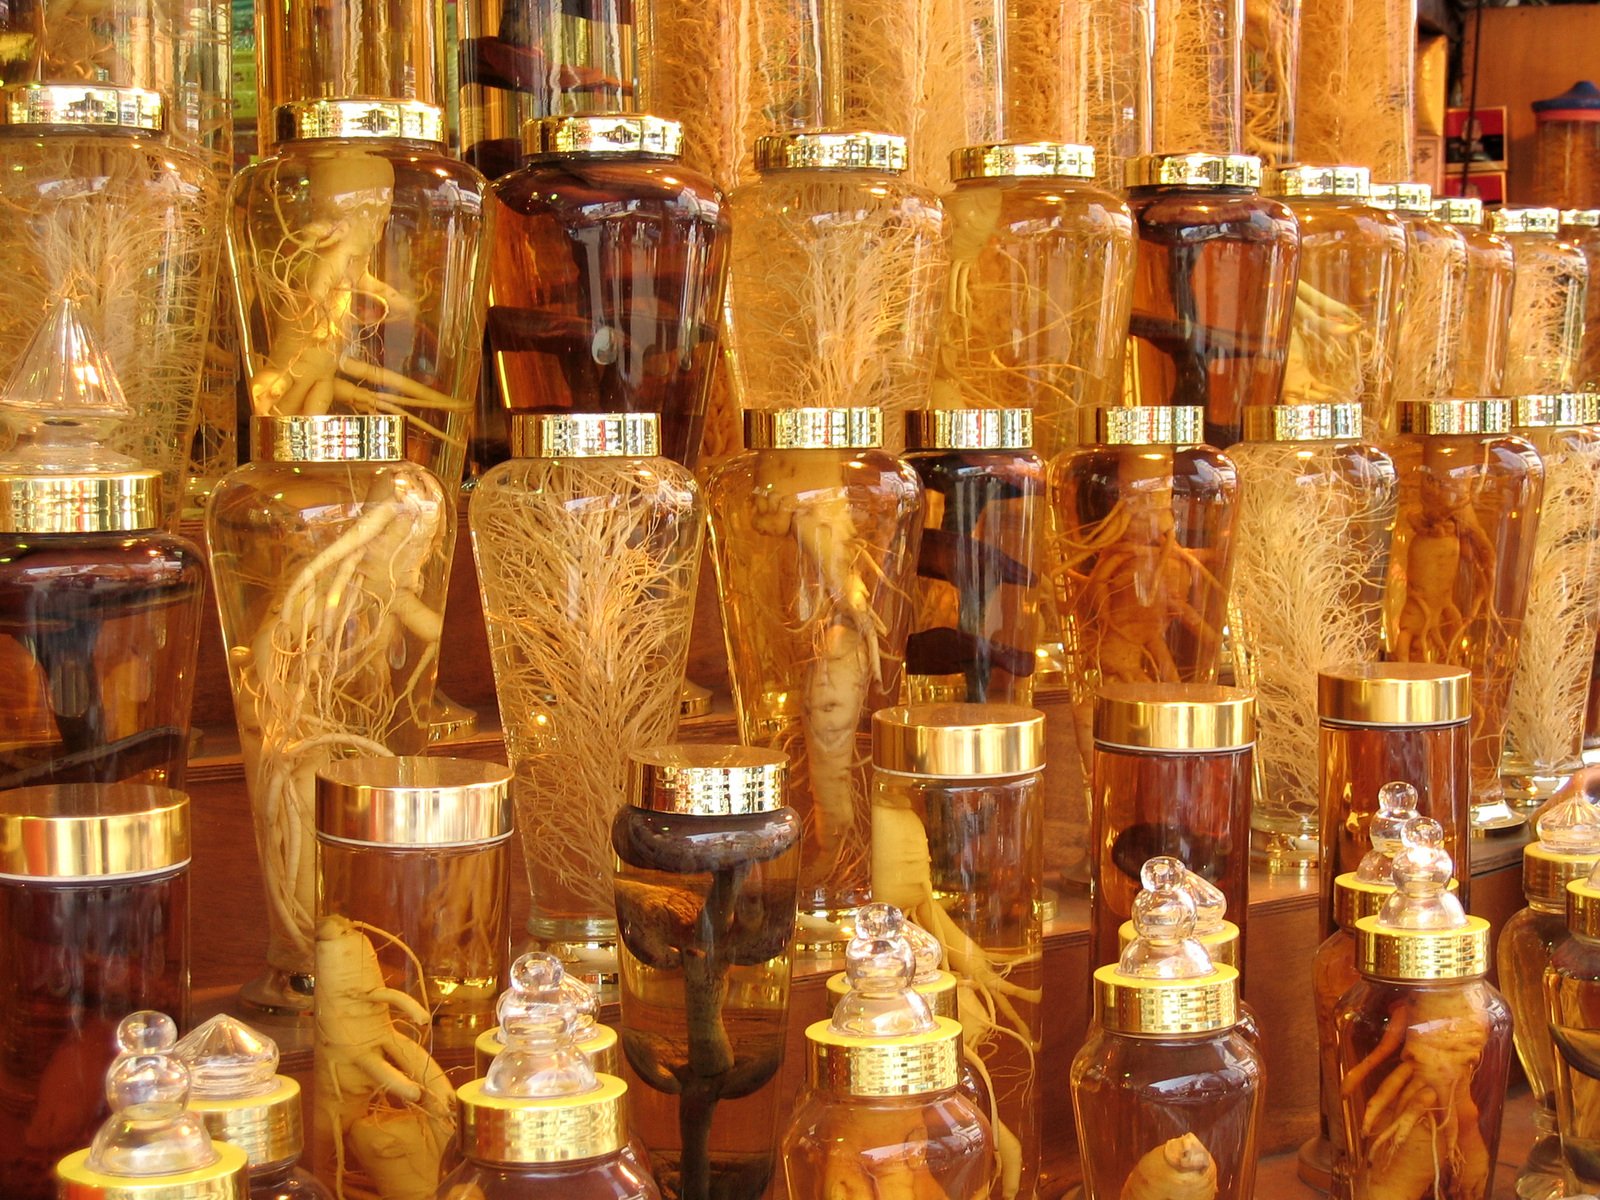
942 993
400 120
1555 410
1303 182
1546 873
911 1065
1145 425
266 1127
68 831
82 106
970 429
224 1179
1409 199
1416 955
1583 909
813 428
1525 220
602 133
1356 898
585 435
1193 171
958 741
1459 210
414 801
363 437
819 150
515 1130
1303 423
1166 1007
1019 160
598 1047
1583 218
1488 415
110 503
1174 716
1222 944
700 780
1394 694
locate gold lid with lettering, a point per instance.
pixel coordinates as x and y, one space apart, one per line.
1174 716
1555 410
67 831
1166 1007
585 435
1459 210
970 429
82 106
400 120
513 1130
1583 908
1546 873
820 150
1408 199
1394 694
813 428
352 437
114 502
1193 171
958 741
1454 417
1022 160
700 780
1303 423
1145 425
1419 955
1581 218
1302 182
1525 220
1354 898
862 1065
420 801
591 134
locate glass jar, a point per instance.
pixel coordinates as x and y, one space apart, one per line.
958 832
1548 301
94 925
1214 288
1039 60
328 520
1580 227
700 68
1198 76
585 529
975 628
1357 88
815 535
598 1044
1570 986
1486 314
1352 259
1113 82
1566 147
838 271
609 265
1271 80
708 860
1434 293
1040 282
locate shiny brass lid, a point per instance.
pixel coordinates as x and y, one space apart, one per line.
585 435
1355 898
1417 955
942 993
1546 873
1394 694
1459 210
401 120
1409 199
603 133
1584 218
414 801
598 1046
1525 220
813 428
119 502
1488 415
1303 423
225 1179
1222 944
82 106
1166 1007
1583 909
1555 410
970 429
1145 425
67 831
266 1127
707 781
1017 160
364 437
958 741
515 1129
1193 171
911 1065
1174 716
817 150
1303 182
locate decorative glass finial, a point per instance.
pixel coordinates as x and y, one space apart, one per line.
1422 872
1397 807
880 966
1210 905
1164 920
927 950
539 1023
1570 823
228 1060
150 1131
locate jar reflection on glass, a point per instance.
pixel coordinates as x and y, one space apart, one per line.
1486 313
1435 292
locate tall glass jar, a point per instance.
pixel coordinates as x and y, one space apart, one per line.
94 925
1571 985
1198 61
1040 283
1434 294
1113 79
588 547
815 534
609 265
1271 80
1486 314
838 274
699 66
1352 259
1581 227
1459 573
1214 288
329 554
1566 147
1357 95
1548 301
958 843
707 868
975 628
1316 516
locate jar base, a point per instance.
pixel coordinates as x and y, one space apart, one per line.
279 993
1496 817
1542 1176
591 958
824 931
1281 853
1314 1164
449 721
1529 790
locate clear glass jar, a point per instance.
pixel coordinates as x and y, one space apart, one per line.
838 273
1571 985
331 520
1566 147
1357 87
1113 82
1271 80
815 535
1214 288
708 860
1040 283
1434 292
696 68
1548 301
1198 76
1580 227
609 265
585 493
1486 314
94 925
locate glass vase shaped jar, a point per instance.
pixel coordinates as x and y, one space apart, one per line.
1357 89
1571 986
94 925
1566 146
1548 301
1486 313
609 266
838 272
1315 520
1213 290
1434 294
329 554
707 872
815 535
588 547
1113 81
1580 227
1198 77
1271 80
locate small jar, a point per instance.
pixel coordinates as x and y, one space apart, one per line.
1040 283
94 925
1486 314
1356 99
956 794
1566 147
975 628
1198 76
1214 288
708 860
1580 227
1434 294
1548 301
1571 986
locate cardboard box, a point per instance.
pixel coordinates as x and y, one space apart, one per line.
1476 136
1488 186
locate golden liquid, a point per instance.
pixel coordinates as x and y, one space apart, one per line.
614 1177
1527 942
1481 356
1357 85
1548 297
1588 241
1572 1004
937 1140
1333 973
1431 321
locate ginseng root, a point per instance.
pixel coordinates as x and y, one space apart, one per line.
1178 1169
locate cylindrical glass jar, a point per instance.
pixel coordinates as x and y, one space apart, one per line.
958 844
94 925
1571 989
699 66
1214 288
330 555
1486 314
1111 72
588 546
838 273
707 865
1548 301
1198 77
1566 147
1462 561
1040 283
815 535
609 265
1352 259
1433 296
975 626
1581 227
1271 79
1357 94
1173 765
1316 514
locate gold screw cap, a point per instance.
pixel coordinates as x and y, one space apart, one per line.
819 150
958 741
1302 182
1193 171
224 1179
392 120
1419 955
1174 716
970 429
633 134
585 435
1303 423
414 801
355 437
1556 410
1394 694
1455 417
1525 220
707 781
92 830
1459 210
1145 425
1022 160
813 428
516 1130
1581 218
1408 199
82 106
911 1065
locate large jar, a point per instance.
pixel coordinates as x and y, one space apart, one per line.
1271 80
1214 288
1434 294
1486 314
587 544
1357 94
1581 227
1566 147
1571 987
1113 81
1040 283
1548 301
1198 59
701 68
329 554
815 534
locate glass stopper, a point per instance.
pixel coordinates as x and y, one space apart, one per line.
1397 805
228 1060
928 952
1164 920
1570 823
880 966
538 1023
150 1131
1422 872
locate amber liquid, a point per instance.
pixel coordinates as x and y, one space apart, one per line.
614 1177
1527 942
929 1141
1333 973
1572 1003
1588 241
1485 316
